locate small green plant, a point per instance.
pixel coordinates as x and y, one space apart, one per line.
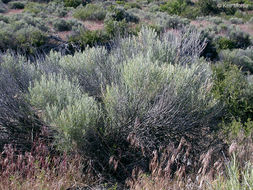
90 12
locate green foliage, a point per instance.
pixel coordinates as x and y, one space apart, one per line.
120 14
237 177
232 88
89 38
62 25
225 43
34 7
72 3
241 58
114 28
174 7
207 7
131 5
90 12
240 38
17 4
63 104
166 21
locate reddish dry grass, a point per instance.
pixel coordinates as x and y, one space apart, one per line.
38 169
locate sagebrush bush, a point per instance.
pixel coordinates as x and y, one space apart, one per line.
241 38
34 7
17 121
90 12
239 57
62 25
120 14
166 21
52 94
3 7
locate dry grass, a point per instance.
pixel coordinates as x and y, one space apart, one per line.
38 169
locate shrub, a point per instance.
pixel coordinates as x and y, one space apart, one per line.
131 5
225 43
29 38
3 7
18 123
57 8
208 7
72 3
75 120
33 7
144 82
62 25
241 58
52 94
90 12
236 21
174 7
116 28
232 87
241 38
166 21
65 106
17 5
119 14
89 38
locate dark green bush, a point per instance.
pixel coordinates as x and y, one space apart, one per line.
191 12
114 28
240 38
89 38
174 7
232 88
225 43
17 4
62 25
72 3
208 7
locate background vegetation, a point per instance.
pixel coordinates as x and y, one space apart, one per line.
126 94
